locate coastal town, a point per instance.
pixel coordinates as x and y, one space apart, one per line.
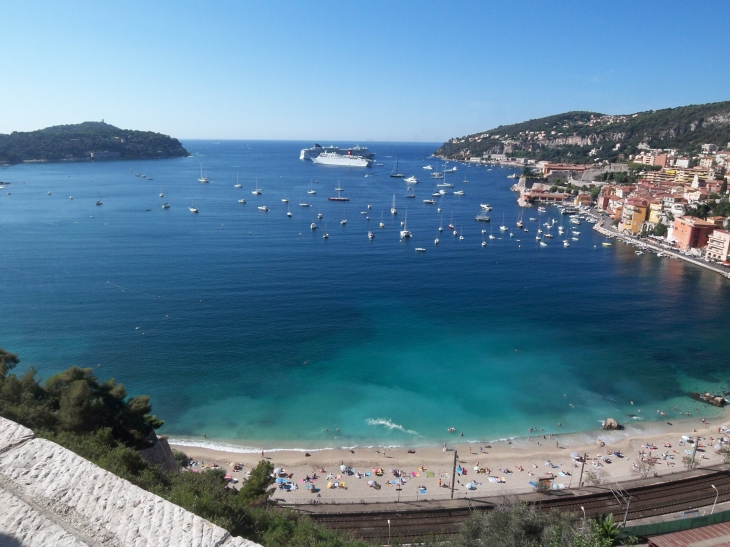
675 202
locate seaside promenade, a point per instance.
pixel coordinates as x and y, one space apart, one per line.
604 227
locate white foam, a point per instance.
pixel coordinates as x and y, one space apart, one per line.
390 425
238 449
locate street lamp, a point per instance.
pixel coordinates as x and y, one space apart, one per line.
388 531
584 511
717 494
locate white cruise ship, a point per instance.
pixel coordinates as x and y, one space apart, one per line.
316 150
346 160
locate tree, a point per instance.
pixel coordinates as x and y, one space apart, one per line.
660 229
515 524
256 491
607 528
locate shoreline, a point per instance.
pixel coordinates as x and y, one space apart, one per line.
505 466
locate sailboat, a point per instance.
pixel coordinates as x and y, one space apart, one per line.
288 211
441 224
382 224
404 233
237 185
344 217
339 187
202 177
409 192
393 210
311 191
99 202
192 208
520 224
395 174
257 190
503 228
451 224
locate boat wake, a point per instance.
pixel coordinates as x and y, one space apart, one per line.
390 425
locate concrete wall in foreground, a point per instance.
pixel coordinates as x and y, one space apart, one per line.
51 496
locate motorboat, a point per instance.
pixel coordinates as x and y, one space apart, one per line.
263 208
313 226
241 201
411 180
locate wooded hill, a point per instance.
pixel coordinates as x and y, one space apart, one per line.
87 141
588 137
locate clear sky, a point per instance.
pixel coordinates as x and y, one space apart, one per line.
352 71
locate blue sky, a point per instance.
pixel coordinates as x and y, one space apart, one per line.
351 71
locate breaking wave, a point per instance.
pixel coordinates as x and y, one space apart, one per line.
390 425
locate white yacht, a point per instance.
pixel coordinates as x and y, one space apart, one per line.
411 180
202 178
242 201
165 205
428 167
263 208
404 233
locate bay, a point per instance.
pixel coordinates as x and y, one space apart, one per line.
250 327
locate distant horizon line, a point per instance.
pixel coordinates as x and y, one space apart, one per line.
314 141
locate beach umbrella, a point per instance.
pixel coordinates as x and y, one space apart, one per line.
575 455
343 468
371 483
277 470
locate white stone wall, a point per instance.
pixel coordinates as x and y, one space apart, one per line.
51 496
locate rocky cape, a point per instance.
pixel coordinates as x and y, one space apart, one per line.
591 137
87 141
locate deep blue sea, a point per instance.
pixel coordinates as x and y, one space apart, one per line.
253 329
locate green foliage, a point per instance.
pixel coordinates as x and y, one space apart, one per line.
607 528
77 142
180 457
516 524
256 489
660 229
75 401
685 128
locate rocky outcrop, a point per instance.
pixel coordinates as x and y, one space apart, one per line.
610 424
715 400
51 496
160 454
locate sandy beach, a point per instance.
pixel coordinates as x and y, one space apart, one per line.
507 466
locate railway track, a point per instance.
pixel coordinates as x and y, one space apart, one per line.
409 523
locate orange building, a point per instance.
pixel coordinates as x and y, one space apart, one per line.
692 232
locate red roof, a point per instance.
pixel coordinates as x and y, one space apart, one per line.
714 535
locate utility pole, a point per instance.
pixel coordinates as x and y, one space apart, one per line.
580 482
453 476
626 515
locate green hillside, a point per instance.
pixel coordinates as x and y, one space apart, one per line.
87 141
586 137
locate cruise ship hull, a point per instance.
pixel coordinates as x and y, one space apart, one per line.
316 150
342 160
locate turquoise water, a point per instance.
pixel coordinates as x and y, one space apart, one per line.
250 328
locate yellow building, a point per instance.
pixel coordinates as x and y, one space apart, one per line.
655 211
634 214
